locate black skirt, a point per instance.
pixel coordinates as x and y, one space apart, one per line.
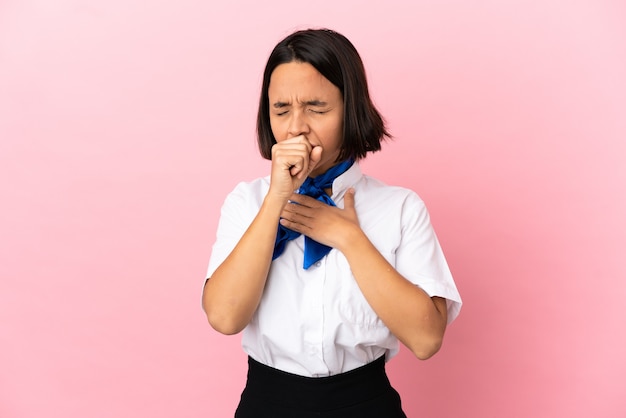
361 393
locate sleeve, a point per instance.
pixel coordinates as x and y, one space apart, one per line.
236 215
419 256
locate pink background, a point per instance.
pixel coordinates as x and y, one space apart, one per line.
123 125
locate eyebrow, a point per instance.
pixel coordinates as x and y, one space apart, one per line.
317 103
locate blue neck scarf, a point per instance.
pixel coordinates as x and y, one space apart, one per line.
314 187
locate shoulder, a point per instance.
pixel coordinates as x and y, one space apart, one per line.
251 189
392 208
246 195
373 188
250 186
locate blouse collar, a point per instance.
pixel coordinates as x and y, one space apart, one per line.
348 179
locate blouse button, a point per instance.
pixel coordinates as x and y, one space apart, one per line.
319 263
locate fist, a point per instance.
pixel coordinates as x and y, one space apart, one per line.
292 161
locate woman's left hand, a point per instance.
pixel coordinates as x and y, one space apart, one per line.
325 224
418 320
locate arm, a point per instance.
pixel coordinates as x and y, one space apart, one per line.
418 320
232 294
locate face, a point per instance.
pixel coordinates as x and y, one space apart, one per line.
303 102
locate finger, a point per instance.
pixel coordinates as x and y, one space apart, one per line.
296 169
298 144
293 163
305 200
289 224
294 226
291 160
300 139
315 157
297 212
294 152
348 200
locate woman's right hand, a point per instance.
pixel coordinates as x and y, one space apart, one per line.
292 161
234 291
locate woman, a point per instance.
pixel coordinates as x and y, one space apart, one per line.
325 280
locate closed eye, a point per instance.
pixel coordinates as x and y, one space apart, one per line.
281 108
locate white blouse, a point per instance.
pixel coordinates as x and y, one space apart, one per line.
316 322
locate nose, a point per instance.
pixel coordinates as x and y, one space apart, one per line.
297 124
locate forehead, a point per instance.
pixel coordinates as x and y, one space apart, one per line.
300 80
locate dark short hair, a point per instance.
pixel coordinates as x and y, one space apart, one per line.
334 56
